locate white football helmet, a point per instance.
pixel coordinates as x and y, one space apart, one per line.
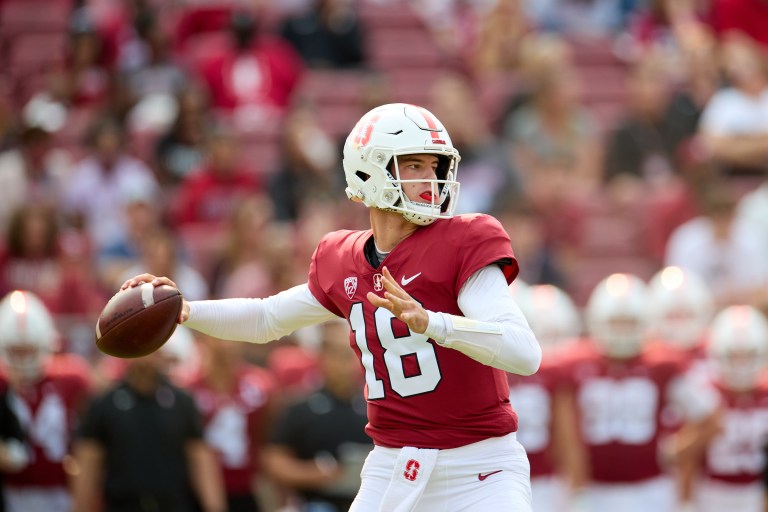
552 315
27 333
738 346
617 315
681 307
370 161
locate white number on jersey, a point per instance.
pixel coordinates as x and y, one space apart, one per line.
738 448
533 405
619 411
227 433
395 348
48 428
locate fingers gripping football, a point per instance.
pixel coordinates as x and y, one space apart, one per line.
158 281
400 303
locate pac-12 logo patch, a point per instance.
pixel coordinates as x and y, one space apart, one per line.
377 285
350 286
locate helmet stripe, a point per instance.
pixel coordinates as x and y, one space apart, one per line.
430 120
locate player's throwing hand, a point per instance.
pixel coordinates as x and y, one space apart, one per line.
400 304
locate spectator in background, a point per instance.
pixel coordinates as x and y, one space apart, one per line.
318 444
485 166
100 182
309 164
206 197
500 34
83 80
142 211
254 79
734 124
749 17
326 35
32 171
140 447
553 133
159 253
181 149
244 248
641 152
721 248
46 395
526 230
31 250
236 401
590 18
151 81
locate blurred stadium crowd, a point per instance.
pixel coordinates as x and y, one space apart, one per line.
201 140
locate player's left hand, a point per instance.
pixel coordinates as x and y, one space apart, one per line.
400 304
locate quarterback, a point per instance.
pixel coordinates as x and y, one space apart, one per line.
431 319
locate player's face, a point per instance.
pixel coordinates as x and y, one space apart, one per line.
423 170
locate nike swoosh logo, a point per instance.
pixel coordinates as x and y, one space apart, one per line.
482 477
405 281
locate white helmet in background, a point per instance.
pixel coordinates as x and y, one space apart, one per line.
552 315
27 333
738 346
617 315
183 355
370 163
521 294
681 307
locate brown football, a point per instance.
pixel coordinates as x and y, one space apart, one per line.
139 320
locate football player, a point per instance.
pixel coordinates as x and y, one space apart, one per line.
617 390
732 461
236 401
432 321
555 320
681 308
46 397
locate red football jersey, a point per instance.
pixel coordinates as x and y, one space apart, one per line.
736 455
419 393
532 399
234 423
47 412
620 406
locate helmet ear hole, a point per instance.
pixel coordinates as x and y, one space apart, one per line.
363 176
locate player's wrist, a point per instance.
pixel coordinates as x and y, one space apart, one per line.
437 328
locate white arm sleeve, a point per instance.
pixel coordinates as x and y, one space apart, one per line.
493 330
693 395
258 320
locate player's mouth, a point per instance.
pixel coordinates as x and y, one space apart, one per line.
427 196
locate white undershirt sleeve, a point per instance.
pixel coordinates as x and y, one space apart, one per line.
258 320
493 330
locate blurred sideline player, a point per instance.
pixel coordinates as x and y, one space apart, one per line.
732 462
554 319
681 308
46 395
431 317
617 389
236 400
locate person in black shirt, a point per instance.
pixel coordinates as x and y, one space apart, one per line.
319 443
140 448
13 455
